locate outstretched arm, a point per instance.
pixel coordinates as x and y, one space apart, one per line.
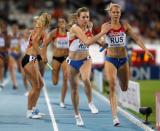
88 41
138 40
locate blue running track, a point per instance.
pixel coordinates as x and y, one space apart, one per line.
13 107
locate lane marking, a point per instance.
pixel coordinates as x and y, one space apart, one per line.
126 114
54 124
49 66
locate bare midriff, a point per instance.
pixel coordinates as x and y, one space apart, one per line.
31 51
118 52
78 55
60 52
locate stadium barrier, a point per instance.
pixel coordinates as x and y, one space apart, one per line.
131 98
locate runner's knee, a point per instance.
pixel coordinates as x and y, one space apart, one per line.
85 79
112 85
74 90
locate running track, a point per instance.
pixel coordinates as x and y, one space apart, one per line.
13 105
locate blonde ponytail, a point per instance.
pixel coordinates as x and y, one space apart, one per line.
109 7
43 20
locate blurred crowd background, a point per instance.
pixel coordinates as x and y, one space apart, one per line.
143 15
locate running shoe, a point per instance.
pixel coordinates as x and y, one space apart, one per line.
36 111
79 121
116 121
1 85
62 105
93 108
32 115
27 93
15 87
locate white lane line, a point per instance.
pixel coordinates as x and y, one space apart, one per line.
49 66
126 114
54 124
